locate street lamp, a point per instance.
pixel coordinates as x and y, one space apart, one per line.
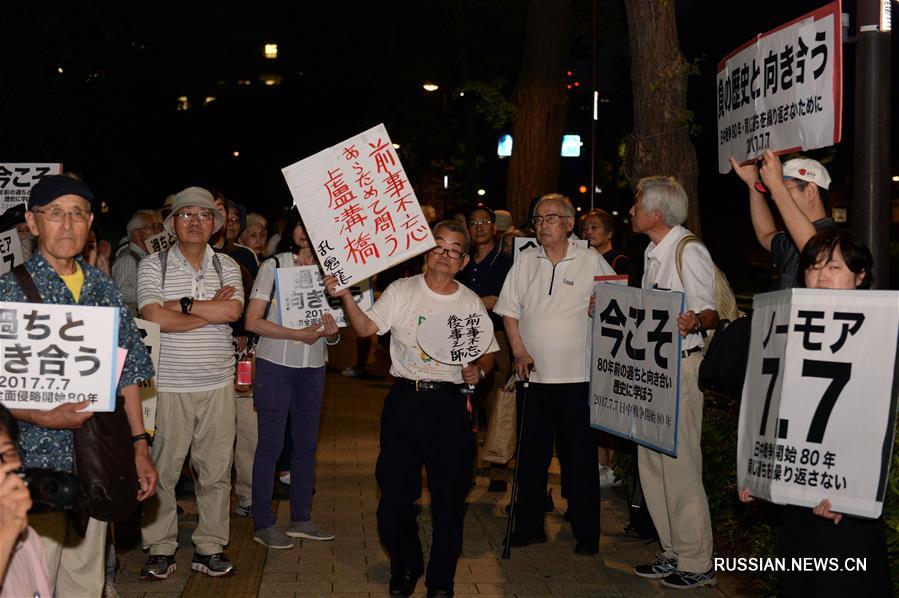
429 86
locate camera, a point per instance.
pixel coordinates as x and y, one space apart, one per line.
51 490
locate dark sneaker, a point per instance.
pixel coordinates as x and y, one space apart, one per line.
403 583
272 537
684 580
242 511
157 567
213 565
308 531
661 567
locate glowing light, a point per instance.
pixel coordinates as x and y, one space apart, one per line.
271 51
429 86
396 146
183 104
582 189
481 192
209 100
446 181
235 153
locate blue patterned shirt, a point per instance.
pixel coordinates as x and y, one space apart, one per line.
54 449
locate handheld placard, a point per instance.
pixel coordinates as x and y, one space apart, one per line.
456 338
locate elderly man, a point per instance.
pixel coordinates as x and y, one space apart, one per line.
799 189
425 420
193 294
544 305
143 225
673 485
59 215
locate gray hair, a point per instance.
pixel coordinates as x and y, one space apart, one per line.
665 195
454 227
136 220
562 199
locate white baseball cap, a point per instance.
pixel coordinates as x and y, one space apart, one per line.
806 169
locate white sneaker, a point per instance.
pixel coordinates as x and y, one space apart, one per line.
285 479
607 477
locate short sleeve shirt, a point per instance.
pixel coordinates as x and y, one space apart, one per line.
401 308
203 358
487 278
785 255
294 354
550 303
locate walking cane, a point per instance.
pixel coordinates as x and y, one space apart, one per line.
514 495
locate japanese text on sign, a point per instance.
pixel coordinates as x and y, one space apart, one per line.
160 242
17 179
456 338
53 354
818 406
10 251
634 380
361 212
783 90
302 300
149 332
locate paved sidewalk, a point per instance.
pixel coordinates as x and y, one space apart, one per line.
354 565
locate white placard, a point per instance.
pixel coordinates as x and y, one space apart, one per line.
149 332
17 179
54 354
160 242
635 365
358 206
782 90
819 400
10 251
455 337
302 299
522 243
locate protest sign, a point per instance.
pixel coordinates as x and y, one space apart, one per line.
54 354
358 206
819 405
160 242
635 366
10 251
302 300
17 179
522 243
149 332
782 90
455 338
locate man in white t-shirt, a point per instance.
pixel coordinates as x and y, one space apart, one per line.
544 305
426 419
673 485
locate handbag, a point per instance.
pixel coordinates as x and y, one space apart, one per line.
104 453
723 368
247 358
499 443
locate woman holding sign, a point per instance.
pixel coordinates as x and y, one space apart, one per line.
832 259
290 379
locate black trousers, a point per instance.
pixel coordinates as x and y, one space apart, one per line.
561 411
432 429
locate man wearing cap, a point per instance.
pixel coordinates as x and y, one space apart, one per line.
142 225
193 293
799 189
59 215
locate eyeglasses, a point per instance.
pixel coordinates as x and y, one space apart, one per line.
202 216
58 214
473 223
10 455
450 253
548 219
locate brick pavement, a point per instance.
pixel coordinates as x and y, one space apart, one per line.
354 565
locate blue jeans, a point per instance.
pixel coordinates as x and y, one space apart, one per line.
278 391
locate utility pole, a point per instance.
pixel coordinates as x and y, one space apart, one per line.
871 173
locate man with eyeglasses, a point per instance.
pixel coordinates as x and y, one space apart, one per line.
544 304
59 215
142 225
194 294
484 274
799 190
425 419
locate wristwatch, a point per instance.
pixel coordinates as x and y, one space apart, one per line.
482 373
186 304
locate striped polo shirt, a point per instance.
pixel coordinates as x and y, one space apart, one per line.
200 359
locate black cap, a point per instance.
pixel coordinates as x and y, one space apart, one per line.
54 186
483 208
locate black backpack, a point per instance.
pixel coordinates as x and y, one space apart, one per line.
724 366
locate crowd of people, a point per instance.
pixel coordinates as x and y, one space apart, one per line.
212 293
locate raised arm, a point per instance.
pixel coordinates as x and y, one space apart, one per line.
361 323
762 219
798 225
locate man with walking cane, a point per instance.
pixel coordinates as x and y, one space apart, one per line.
544 305
426 418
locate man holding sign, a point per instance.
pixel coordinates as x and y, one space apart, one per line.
59 215
673 485
426 418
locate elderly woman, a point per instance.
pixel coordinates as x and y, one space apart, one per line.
832 259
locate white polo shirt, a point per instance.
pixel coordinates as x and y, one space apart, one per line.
550 304
401 308
698 284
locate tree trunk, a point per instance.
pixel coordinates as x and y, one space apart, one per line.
660 144
541 104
